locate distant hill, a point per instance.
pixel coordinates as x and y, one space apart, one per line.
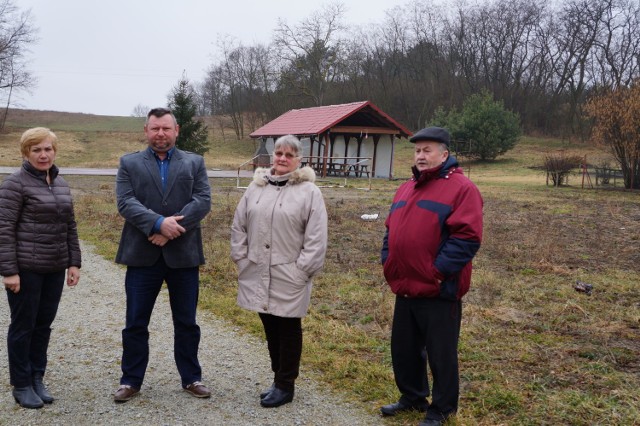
89 140
72 122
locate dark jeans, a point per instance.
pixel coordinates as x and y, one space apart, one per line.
284 340
142 285
427 330
33 309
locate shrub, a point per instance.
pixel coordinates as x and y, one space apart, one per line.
616 115
488 128
559 167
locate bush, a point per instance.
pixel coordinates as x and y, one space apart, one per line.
489 129
616 115
559 167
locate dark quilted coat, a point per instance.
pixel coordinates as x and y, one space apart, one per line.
38 230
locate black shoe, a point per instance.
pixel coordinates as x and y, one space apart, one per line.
27 398
41 390
399 407
431 422
276 398
268 391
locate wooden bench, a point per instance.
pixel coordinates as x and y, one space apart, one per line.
358 169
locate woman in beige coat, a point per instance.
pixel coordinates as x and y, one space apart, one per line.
279 241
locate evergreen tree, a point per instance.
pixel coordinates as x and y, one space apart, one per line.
490 129
193 133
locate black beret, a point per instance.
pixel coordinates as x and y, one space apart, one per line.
435 134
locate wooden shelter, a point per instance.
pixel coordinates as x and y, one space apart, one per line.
341 140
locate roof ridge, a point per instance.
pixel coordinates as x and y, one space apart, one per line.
316 120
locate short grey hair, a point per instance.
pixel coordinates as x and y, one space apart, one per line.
289 141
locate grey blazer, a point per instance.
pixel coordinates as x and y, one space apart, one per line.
141 202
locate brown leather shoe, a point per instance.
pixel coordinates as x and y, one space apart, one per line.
198 390
125 393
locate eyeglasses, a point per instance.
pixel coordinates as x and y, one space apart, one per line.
289 155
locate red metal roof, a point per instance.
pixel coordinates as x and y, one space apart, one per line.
317 120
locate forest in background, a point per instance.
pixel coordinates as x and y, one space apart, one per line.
542 59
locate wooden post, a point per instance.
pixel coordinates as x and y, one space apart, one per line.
376 139
325 155
393 144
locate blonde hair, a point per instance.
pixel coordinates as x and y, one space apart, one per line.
36 135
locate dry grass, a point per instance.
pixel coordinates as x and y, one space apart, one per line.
98 141
533 350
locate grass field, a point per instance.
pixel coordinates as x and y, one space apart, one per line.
533 350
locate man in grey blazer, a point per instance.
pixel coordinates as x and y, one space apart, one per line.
162 193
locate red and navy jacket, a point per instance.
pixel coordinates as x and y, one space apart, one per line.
434 229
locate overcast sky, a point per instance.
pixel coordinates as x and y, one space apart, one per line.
106 57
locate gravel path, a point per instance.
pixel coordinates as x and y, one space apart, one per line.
84 369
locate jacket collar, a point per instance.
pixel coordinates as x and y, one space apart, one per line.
303 174
53 171
445 169
151 153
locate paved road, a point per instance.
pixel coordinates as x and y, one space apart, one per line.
112 172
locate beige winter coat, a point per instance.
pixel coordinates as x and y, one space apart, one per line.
279 241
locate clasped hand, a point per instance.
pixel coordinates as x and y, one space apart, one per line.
169 230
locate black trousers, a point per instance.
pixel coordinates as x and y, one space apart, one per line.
284 341
426 331
33 309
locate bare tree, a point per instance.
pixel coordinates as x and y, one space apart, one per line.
268 81
211 91
16 35
222 93
140 111
312 51
541 58
616 60
231 74
581 21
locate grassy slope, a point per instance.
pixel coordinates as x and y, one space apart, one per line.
533 350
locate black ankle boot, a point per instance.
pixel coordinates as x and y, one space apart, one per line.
276 398
41 390
27 398
267 391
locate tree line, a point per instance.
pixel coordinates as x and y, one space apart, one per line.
541 59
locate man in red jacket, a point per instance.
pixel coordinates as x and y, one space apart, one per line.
434 230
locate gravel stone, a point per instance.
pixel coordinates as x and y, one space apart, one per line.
84 368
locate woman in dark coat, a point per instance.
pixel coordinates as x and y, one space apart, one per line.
38 243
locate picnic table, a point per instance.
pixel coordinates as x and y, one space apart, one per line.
339 166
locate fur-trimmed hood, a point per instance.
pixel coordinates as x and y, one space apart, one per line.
303 174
